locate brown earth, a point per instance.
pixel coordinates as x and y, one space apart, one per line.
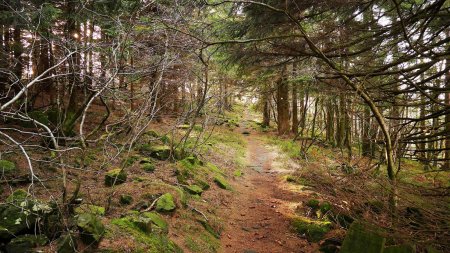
257 219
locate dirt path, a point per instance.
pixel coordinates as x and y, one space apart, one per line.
258 217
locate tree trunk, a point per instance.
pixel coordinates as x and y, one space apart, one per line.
283 104
294 109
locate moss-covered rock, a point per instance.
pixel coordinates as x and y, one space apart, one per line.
125 199
404 248
17 196
66 244
25 243
203 184
221 182
16 216
312 229
362 238
130 160
194 189
160 152
93 209
154 240
165 203
157 220
7 167
115 177
91 228
148 167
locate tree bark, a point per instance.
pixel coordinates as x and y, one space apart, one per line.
283 104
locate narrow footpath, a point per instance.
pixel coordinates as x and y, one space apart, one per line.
258 216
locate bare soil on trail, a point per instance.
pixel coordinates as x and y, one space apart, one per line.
257 219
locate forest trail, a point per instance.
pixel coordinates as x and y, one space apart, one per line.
258 216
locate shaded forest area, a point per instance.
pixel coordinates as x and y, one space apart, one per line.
91 89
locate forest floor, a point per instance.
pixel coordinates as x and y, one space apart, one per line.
258 217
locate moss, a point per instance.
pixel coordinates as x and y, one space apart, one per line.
204 242
312 229
130 160
237 173
66 244
148 167
313 203
93 209
115 176
160 152
203 184
325 207
222 183
157 220
165 203
7 167
194 189
363 238
209 228
25 243
91 228
125 199
17 196
155 242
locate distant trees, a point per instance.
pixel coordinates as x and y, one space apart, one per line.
389 55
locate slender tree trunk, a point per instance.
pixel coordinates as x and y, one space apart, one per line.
283 104
446 165
294 109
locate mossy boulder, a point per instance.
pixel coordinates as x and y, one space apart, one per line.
7 167
148 167
158 222
313 230
93 209
125 199
404 248
155 241
66 244
203 184
165 203
25 243
160 152
16 216
18 196
363 238
222 183
194 189
115 177
91 228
